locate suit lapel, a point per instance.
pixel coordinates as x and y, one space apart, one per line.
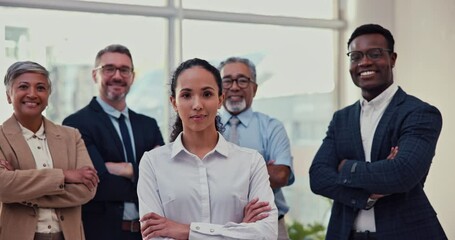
13 134
381 129
137 133
106 122
355 131
57 146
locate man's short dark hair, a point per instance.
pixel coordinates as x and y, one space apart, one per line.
373 29
114 48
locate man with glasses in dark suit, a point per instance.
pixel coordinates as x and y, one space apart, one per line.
377 153
116 138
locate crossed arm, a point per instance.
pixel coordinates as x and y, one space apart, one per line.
352 182
154 225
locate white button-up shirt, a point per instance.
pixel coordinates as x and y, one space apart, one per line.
370 116
47 218
211 193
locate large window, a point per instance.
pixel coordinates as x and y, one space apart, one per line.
295 61
292 8
66 43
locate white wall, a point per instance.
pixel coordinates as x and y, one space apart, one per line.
425 42
425 36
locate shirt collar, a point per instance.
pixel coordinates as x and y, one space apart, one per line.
383 98
244 117
110 110
177 146
29 134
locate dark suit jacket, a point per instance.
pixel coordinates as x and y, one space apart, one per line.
405 213
103 215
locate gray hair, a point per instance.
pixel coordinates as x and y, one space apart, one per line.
19 68
245 61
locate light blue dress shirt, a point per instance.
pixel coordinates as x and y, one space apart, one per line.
130 212
268 136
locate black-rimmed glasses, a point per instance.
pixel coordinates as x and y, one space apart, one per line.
109 70
242 82
372 54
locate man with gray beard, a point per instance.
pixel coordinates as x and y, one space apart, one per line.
256 130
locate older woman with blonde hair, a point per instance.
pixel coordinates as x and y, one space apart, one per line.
45 171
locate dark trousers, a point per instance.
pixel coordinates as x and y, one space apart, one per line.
363 236
49 236
126 235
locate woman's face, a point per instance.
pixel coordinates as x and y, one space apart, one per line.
196 99
29 95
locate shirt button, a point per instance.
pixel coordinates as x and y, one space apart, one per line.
49 227
197 228
34 136
44 165
39 147
61 186
62 218
211 230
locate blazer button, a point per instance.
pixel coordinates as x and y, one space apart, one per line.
29 204
61 186
35 205
353 201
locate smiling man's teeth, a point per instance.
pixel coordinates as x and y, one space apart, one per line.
31 104
366 73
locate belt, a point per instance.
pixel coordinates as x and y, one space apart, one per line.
131 226
49 236
367 235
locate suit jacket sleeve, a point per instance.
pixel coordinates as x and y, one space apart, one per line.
416 137
94 135
324 172
75 194
45 187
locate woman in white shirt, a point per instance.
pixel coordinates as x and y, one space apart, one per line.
200 186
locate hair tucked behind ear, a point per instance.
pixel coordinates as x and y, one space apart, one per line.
177 128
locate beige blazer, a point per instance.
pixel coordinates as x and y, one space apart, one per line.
24 190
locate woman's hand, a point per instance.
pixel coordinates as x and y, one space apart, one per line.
255 211
154 225
85 175
6 165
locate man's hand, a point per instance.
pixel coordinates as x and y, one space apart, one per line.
122 169
154 225
278 174
340 166
393 153
85 175
6 165
255 211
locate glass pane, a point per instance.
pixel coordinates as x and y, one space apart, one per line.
323 9
157 3
66 43
295 74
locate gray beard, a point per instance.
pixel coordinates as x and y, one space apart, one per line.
235 106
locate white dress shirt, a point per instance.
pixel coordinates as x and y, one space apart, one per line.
47 218
209 193
370 116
